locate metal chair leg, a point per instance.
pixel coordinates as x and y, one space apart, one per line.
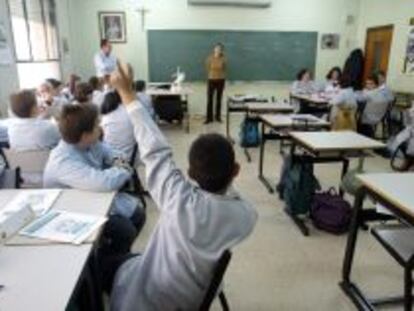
223 301
408 287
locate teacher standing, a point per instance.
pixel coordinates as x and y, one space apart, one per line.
105 61
216 70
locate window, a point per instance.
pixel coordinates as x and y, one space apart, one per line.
35 33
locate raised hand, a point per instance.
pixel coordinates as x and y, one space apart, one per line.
122 81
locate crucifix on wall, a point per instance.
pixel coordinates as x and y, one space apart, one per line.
143 11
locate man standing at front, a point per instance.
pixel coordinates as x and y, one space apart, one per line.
105 61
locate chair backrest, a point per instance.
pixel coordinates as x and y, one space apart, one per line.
30 163
216 281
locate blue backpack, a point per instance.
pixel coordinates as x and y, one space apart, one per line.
249 133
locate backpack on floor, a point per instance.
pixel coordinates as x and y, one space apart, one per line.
330 212
249 133
298 187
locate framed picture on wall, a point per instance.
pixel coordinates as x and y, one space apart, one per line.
409 55
112 26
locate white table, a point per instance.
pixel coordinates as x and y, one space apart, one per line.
395 192
44 276
280 125
329 147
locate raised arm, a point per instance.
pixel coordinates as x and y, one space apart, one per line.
164 179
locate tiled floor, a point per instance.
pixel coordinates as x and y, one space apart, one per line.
277 268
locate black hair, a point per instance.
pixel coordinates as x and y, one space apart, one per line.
140 86
212 162
54 83
345 82
301 73
374 78
334 69
104 42
111 102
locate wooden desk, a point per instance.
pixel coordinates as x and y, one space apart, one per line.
278 127
262 108
312 103
44 277
329 147
394 191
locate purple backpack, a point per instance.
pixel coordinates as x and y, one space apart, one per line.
330 212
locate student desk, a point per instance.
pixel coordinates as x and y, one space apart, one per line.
44 275
394 191
237 104
329 147
157 90
279 126
254 110
312 103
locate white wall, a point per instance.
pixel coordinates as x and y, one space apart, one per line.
375 13
285 15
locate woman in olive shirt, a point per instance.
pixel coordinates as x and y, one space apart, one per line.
216 70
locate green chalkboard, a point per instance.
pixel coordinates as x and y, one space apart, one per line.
251 55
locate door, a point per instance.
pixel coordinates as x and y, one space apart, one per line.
377 49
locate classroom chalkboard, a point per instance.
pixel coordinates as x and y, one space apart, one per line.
252 55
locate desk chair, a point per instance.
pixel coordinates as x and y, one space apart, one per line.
399 242
136 185
31 165
216 281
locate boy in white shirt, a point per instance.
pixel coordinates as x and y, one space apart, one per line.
199 219
98 94
375 106
50 101
27 132
382 82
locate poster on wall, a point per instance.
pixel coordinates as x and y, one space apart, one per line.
112 26
330 41
6 57
409 56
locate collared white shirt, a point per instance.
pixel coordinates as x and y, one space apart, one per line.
376 105
32 134
91 170
104 64
194 229
118 131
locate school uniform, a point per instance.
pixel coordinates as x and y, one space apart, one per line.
30 134
104 64
53 109
331 86
89 169
376 105
300 87
98 97
194 229
387 93
118 131
146 101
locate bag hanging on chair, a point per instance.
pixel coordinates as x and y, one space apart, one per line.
350 182
344 119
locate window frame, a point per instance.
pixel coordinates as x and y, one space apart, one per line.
48 59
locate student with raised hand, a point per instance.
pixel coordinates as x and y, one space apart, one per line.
304 83
383 87
143 97
200 219
116 124
28 132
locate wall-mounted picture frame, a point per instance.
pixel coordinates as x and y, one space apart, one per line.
330 41
409 54
112 26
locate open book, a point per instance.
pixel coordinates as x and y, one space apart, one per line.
63 226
